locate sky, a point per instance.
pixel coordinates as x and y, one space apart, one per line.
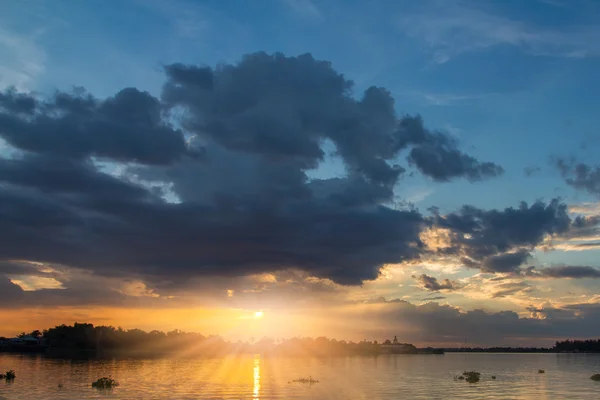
352 169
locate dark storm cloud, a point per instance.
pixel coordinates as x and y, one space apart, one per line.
125 127
501 240
507 262
580 176
431 283
17 103
240 201
279 106
64 176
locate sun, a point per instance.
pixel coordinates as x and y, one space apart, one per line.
258 314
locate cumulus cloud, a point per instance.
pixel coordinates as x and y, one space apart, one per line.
580 176
584 233
500 240
431 283
212 175
126 127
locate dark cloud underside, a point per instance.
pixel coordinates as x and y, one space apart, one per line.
212 179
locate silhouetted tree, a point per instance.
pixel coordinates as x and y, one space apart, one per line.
36 334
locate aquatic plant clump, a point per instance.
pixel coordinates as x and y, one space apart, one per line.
9 376
541 371
105 383
308 380
472 376
595 377
493 376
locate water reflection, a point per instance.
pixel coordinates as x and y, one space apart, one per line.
256 391
262 377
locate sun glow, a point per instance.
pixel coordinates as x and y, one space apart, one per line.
258 314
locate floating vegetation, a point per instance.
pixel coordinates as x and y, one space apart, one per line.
541 371
460 378
105 383
308 380
595 377
9 376
60 385
493 376
472 376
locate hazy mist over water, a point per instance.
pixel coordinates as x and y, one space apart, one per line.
567 376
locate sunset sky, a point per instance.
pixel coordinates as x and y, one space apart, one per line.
352 169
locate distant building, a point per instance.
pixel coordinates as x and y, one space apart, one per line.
396 347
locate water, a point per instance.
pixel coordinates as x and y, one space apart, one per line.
567 376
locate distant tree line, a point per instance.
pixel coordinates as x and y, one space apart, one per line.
87 337
578 346
565 346
499 350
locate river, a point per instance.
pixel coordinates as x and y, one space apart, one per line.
567 376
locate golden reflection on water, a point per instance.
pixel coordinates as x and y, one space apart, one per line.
256 391
252 376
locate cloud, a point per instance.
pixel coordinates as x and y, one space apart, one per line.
587 209
583 235
500 240
450 28
210 179
580 176
430 283
126 127
567 271
25 284
438 157
434 298
432 323
507 262
23 60
247 110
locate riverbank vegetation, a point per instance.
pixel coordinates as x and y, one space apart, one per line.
83 338
70 340
577 346
310 380
9 376
472 376
105 383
